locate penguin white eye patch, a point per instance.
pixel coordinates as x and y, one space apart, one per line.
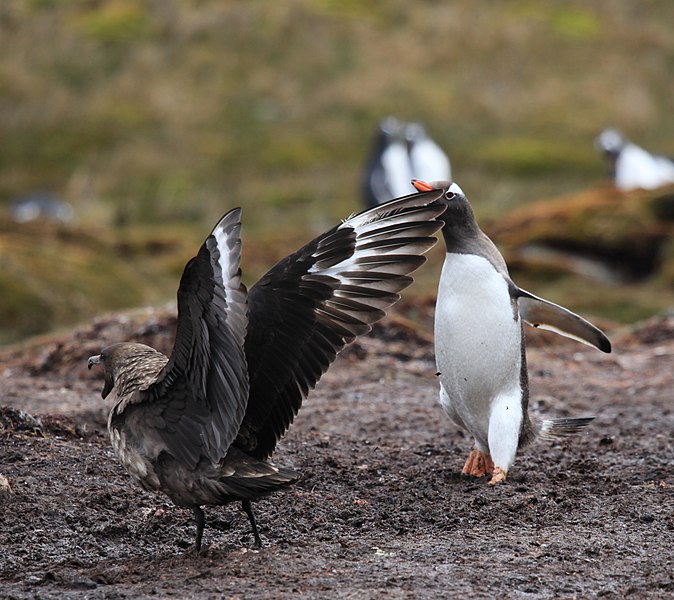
453 190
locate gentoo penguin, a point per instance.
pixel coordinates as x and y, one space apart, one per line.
401 152
428 162
388 173
633 167
201 425
479 342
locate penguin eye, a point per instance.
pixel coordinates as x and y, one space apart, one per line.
449 195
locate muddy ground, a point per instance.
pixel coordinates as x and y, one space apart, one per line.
382 511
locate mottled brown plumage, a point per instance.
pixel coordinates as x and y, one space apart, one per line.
201 425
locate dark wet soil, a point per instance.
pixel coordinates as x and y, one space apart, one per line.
382 511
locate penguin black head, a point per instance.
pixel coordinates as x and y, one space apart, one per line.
610 142
459 220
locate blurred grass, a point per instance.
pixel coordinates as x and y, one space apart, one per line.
149 113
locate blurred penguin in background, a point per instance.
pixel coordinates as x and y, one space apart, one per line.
41 206
428 162
632 167
401 152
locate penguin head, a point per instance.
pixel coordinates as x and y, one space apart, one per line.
610 142
414 132
389 131
459 220
391 127
453 194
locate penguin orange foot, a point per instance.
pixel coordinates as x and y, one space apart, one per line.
478 464
498 476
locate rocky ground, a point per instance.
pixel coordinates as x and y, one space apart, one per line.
382 511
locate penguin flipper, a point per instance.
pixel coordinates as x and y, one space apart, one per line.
552 317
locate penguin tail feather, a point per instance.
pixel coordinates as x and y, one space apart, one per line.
554 428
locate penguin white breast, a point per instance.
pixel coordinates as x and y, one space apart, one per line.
477 339
429 162
395 162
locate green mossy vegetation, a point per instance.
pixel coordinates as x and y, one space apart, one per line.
149 117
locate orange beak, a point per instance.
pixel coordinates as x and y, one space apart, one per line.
422 186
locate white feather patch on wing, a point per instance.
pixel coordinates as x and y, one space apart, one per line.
394 228
227 234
